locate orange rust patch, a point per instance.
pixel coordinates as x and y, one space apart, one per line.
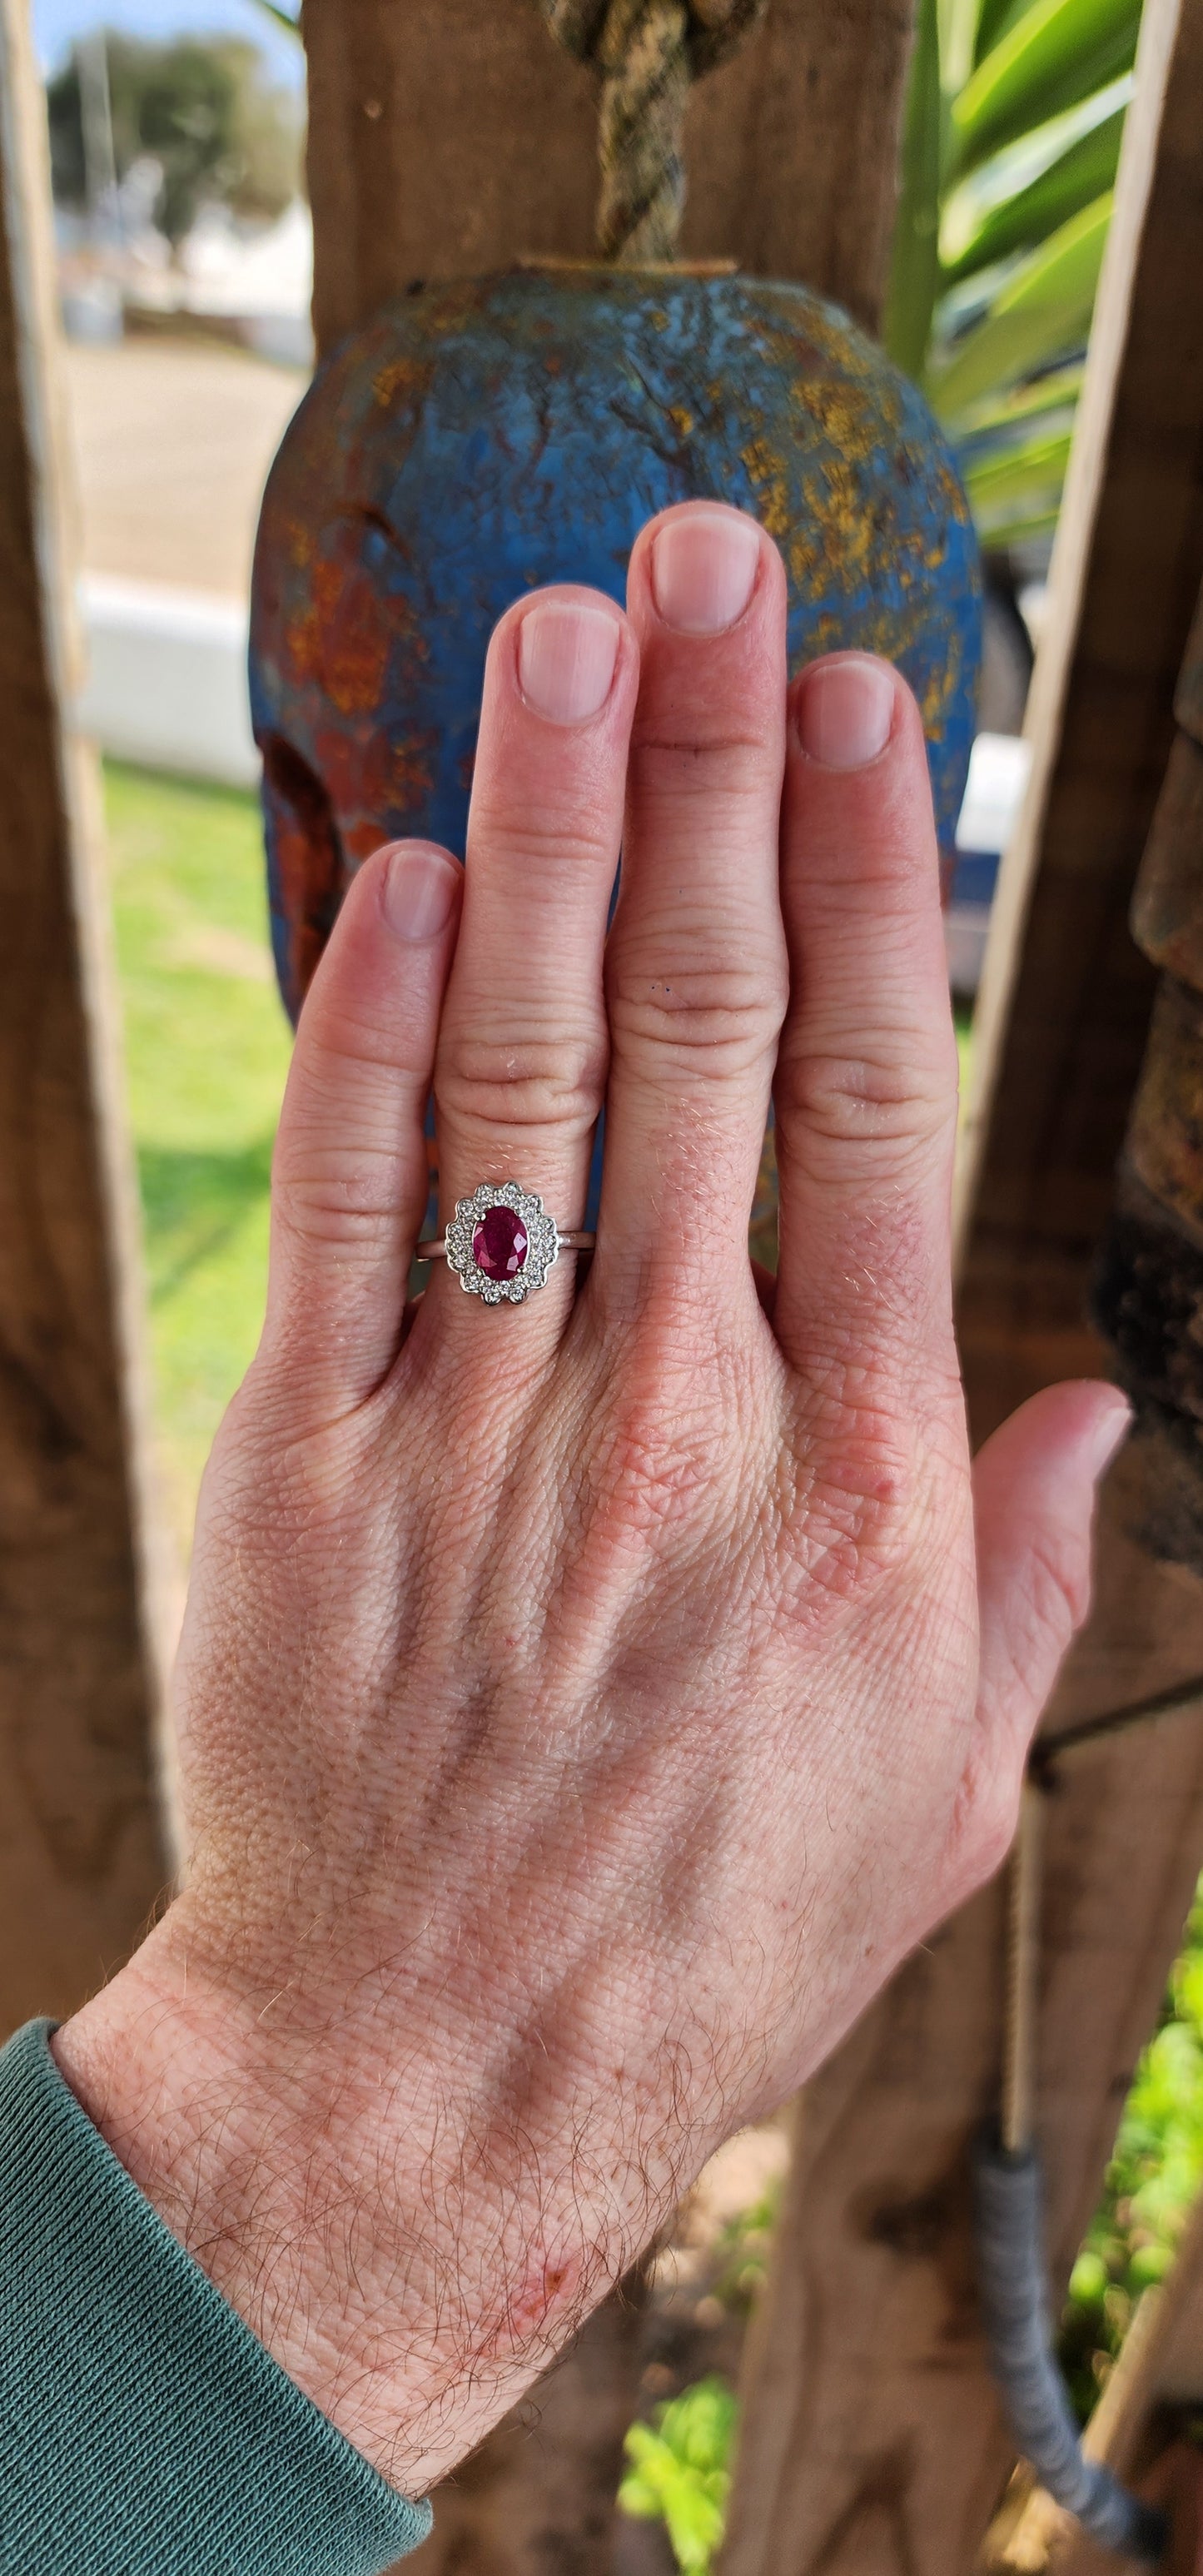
408 377
765 469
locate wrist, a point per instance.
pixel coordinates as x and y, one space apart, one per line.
369 2223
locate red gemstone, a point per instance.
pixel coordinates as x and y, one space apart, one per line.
499 1245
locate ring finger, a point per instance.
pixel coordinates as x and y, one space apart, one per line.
521 1067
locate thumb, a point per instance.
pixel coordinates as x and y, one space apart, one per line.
1034 1487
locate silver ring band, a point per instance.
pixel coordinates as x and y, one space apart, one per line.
501 1243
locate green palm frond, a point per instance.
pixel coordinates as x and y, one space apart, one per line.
1015 117
1082 172
1043 309
1019 487
1055 53
915 270
289 18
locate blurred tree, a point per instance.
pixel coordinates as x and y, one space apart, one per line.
206 113
267 139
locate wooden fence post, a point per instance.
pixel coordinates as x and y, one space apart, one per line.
81 1846
872 2443
447 137
453 136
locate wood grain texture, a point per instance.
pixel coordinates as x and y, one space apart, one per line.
1066 995
1165 913
447 138
81 1854
1188 701
872 2442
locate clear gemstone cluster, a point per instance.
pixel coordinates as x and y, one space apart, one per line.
501 1242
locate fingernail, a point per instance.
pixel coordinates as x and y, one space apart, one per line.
1110 1432
844 711
566 659
703 568
419 891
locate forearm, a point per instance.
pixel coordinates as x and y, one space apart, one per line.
412 2289
144 2431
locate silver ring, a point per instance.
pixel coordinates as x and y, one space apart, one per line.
501 1242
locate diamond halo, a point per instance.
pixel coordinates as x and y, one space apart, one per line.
542 1242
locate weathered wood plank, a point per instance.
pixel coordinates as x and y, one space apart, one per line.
81 1851
447 138
872 2444
1188 702
1066 996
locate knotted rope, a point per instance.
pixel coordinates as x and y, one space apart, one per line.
647 52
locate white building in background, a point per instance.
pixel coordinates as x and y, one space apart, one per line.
260 283
167 687
255 284
166 679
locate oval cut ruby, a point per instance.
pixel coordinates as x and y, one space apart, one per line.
500 1243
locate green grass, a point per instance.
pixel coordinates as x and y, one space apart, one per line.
678 2464
679 2471
206 1049
1153 2179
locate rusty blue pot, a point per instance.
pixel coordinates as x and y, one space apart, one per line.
480 438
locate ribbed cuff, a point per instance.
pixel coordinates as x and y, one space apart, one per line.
144 2431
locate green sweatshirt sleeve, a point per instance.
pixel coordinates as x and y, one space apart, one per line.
144 2431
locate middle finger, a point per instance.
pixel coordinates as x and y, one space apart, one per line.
696 971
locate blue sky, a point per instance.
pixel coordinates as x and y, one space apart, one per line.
56 22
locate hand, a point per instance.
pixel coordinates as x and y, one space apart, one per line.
584 1705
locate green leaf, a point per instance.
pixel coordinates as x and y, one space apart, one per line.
1088 2279
283 17
915 256
1056 53
1081 174
995 19
1018 486
1057 391
1041 313
1019 530
679 2471
958 31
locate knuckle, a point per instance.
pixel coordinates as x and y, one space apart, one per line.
560 838
1059 1583
1050 1603
649 1471
881 1103
556 1080
985 1810
694 761
715 1013
279 1481
366 1047
349 1197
